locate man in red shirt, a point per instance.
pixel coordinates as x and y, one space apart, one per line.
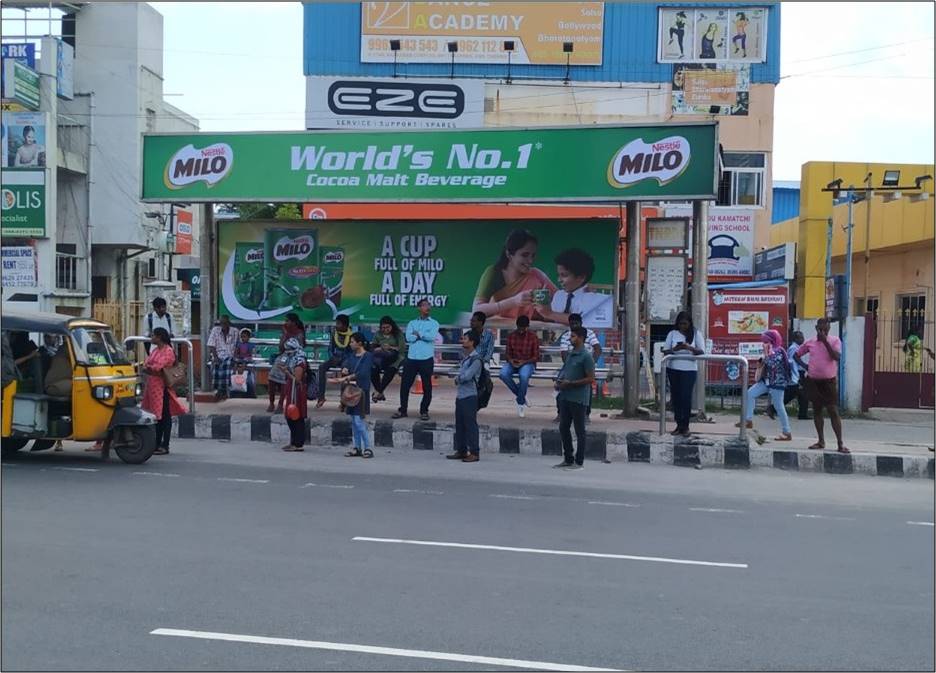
824 352
522 356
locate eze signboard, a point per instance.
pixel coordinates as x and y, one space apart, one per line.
594 163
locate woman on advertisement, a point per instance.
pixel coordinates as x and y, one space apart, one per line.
512 286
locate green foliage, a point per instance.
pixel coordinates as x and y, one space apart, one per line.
288 211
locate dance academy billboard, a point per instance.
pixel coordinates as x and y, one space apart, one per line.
544 269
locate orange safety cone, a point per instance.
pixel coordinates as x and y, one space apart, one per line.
418 386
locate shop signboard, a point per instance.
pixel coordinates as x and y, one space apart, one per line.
387 104
712 34
593 163
710 89
183 232
320 268
64 70
24 52
776 263
193 278
19 265
537 29
730 241
20 84
22 199
737 318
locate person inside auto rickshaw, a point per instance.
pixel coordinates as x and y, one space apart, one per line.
26 358
58 381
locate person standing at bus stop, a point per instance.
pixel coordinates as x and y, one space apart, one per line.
421 335
683 339
824 352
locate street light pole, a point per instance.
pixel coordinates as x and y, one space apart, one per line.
850 227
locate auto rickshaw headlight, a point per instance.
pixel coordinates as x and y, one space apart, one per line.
138 391
103 392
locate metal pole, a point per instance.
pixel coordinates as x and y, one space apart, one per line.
631 336
700 288
207 255
867 251
848 285
828 249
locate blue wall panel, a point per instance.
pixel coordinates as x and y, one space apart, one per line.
332 46
786 202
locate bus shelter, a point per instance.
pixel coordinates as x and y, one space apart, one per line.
366 269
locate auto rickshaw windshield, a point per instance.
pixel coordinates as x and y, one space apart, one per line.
97 347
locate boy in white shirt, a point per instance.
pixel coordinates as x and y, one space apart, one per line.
574 269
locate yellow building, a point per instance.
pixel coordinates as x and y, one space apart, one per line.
893 276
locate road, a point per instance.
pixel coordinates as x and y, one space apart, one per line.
240 557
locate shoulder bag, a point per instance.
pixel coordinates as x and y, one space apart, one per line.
352 393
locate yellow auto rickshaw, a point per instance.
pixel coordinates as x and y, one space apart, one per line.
79 386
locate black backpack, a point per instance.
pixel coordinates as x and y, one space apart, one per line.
485 387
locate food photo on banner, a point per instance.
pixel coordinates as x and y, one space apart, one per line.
367 269
712 34
25 139
709 88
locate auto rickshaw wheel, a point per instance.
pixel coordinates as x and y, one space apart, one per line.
135 445
42 444
11 445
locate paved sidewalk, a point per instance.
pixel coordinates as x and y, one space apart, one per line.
861 435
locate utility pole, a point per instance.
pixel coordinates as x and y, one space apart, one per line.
850 227
700 288
631 336
867 256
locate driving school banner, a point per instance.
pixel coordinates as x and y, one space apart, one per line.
368 269
597 163
538 30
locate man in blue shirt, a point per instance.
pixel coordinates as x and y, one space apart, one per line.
574 386
421 335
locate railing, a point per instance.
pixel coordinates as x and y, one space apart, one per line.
742 362
191 363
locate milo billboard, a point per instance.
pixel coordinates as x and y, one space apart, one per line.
543 269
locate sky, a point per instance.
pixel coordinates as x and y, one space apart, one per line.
856 78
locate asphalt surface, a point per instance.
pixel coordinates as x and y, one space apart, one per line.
683 569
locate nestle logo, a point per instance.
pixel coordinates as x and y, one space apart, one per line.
663 161
189 165
333 257
396 99
255 255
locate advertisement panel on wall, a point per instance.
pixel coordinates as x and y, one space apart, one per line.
64 70
183 232
20 84
24 52
730 241
22 200
709 89
25 134
375 268
382 104
19 265
537 29
737 318
712 34
776 263
595 163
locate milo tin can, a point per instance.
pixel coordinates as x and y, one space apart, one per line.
332 272
541 296
248 274
292 268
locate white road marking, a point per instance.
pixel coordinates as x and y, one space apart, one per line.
158 474
373 649
413 490
309 485
245 481
514 497
555 552
823 516
77 469
8 464
611 504
920 523
715 509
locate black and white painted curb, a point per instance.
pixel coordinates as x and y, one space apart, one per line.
634 447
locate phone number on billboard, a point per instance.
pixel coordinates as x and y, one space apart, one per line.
423 46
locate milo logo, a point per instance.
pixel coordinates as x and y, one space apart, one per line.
287 248
253 255
190 165
664 161
333 257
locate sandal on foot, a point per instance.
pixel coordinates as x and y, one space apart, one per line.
784 437
354 453
842 449
399 414
320 403
818 447
293 448
270 409
424 417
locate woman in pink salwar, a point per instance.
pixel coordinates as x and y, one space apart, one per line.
158 398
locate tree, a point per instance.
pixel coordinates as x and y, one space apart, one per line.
288 211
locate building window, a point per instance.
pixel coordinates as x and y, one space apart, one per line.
742 180
870 306
911 315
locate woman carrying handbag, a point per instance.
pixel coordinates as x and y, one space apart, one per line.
355 399
294 395
159 398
